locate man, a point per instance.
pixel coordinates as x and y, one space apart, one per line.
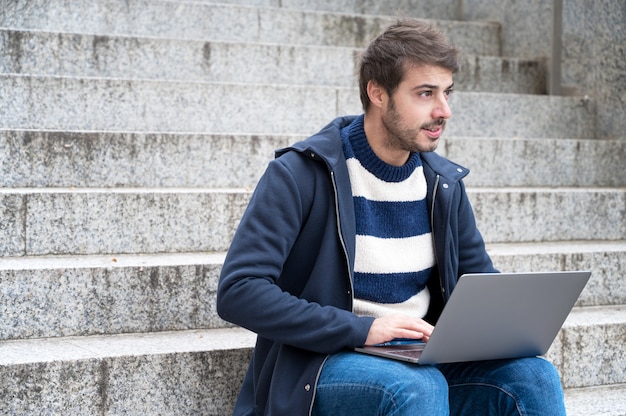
357 236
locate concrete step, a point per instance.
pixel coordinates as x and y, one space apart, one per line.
549 214
590 349
170 373
606 260
62 221
56 296
230 22
33 158
59 103
102 221
439 9
59 296
521 116
591 401
199 372
515 161
65 54
506 75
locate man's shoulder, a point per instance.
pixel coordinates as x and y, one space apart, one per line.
443 166
325 144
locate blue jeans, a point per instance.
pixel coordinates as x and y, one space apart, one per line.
354 384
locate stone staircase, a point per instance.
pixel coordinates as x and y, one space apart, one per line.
131 136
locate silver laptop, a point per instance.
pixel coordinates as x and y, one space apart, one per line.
495 316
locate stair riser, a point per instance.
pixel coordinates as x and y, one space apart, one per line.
154 222
606 285
100 223
183 384
219 22
38 302
590 354
180 382
114 300
512 162
440 9
112 105
550 215
62 159
55 54
84 160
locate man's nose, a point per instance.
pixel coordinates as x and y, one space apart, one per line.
442 108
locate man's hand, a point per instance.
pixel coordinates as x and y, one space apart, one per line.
398 326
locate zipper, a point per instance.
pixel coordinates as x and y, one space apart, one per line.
345 252
432 230
317 378
343 244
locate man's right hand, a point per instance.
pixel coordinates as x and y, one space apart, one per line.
398 326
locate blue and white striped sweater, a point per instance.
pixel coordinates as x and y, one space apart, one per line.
394 250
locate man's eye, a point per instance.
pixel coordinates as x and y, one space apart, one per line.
425 93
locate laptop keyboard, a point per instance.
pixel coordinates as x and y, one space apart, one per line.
415 351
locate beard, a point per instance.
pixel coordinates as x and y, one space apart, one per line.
404 137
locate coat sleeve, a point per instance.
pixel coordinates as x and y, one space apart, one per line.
248 291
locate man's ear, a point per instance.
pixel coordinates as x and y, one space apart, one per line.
376 93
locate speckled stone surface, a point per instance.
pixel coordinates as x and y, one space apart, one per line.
512 162
602 400
94 159
182 373
594 347
68 221
593 56
594 59
119 294
437 9
549 214
133 221
499 115
153 160
526 26
121 105
233 23
12 212
590 349
59 54
495 74
51 103
605 259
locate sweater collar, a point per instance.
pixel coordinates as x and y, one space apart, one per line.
355 144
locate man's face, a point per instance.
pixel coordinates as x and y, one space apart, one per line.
416 113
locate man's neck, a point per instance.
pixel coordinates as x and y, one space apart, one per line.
377 138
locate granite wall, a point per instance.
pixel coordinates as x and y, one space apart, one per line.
594 59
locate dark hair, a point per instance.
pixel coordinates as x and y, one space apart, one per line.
407 42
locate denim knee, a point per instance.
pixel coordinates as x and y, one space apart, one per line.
352 383
525 386
417 390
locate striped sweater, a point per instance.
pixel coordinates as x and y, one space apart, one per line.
394 249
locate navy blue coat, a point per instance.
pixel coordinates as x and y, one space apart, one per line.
288 273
